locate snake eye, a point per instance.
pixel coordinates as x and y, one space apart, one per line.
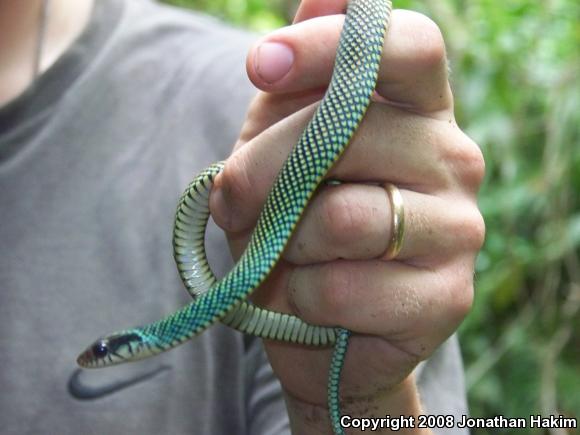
100 349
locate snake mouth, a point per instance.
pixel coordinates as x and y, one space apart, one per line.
113 349
94 354
86 359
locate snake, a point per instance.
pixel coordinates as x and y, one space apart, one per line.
225 300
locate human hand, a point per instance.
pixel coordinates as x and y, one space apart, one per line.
334 272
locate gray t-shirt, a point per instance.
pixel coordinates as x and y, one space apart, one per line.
93 159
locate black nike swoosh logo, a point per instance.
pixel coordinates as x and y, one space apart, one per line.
81 391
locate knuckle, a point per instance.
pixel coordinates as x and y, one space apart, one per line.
334 289
469 226
462 303
466 161
473 165
461 293
236 179
342 217
237 190
475 230
430 42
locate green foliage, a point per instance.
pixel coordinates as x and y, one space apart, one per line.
259 15
515 74
516 68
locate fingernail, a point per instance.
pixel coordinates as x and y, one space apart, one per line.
273 61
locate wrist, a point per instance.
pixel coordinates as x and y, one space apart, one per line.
394 410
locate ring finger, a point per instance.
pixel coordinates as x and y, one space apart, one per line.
355 222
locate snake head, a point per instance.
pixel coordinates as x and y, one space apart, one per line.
113 349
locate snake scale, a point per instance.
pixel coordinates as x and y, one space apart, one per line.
320 146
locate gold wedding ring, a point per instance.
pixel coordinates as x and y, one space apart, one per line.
398 219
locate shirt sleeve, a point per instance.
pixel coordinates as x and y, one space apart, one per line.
441 385
266 409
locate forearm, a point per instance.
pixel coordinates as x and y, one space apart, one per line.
398 408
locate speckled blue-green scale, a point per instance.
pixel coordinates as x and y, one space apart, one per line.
190 257
324 140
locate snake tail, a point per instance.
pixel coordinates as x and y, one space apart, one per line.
336 365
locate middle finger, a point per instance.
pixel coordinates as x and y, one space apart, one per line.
391 145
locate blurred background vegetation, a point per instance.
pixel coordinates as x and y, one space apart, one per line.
515 74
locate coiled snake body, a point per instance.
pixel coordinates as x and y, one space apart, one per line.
323 141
